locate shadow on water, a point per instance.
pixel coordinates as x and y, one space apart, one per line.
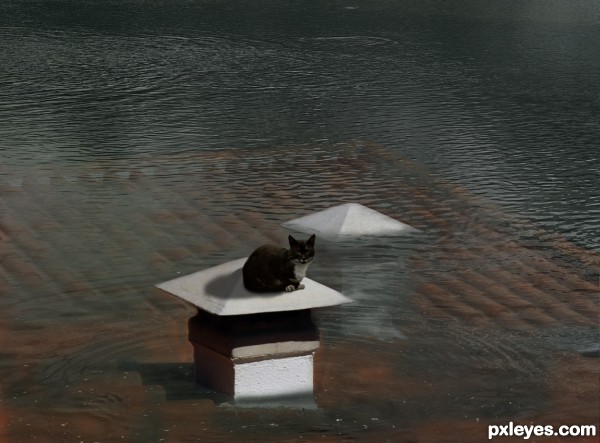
177 380
592 351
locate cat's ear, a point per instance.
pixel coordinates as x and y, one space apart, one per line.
311 240
292 240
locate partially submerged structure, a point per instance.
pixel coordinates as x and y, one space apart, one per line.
252 346
348 220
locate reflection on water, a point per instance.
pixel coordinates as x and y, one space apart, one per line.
145 140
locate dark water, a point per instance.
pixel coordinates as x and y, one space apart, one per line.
144 139
503 97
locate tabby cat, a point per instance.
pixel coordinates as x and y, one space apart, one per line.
271 268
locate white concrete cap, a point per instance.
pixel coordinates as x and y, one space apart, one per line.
350 219
220 290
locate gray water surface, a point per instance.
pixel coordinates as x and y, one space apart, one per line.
141 140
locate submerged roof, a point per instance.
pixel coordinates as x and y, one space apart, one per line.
350 219
220 290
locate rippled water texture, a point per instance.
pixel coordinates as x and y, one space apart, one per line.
142 140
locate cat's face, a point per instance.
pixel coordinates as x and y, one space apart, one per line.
302 251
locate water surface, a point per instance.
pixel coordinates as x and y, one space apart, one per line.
144 140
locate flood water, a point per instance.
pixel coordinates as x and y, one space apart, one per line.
143 140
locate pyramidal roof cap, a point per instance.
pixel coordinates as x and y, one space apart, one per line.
220 290
350 219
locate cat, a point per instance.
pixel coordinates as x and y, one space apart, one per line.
271 268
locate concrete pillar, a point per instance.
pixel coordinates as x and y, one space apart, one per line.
249 345
267 356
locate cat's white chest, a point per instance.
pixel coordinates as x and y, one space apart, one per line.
300 270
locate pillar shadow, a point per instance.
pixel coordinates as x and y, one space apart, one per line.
177 380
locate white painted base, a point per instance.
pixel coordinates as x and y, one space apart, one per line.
279 377
268 378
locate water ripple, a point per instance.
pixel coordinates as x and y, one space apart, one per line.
139 147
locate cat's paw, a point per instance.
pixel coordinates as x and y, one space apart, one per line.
301 286
290 288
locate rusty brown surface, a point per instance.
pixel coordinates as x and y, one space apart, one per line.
77 264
